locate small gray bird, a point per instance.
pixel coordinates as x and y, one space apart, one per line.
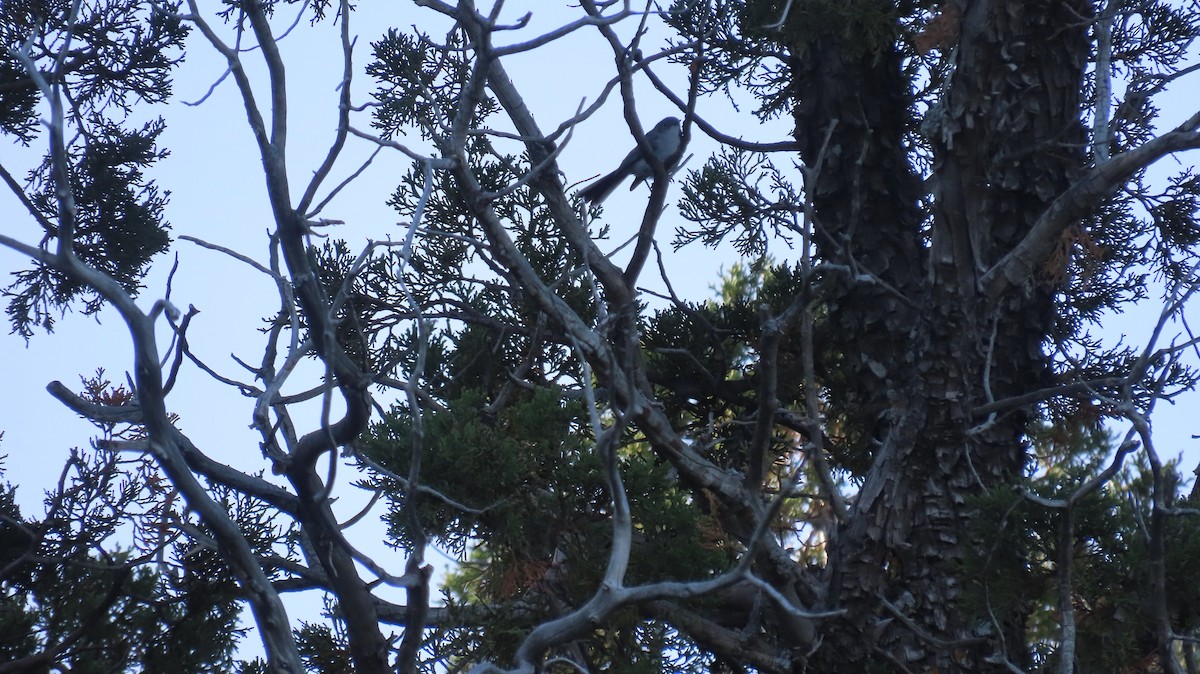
663 140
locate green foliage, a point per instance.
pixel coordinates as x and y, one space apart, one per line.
17 621
18 100
739 60
866 25
743 196
71 598
488 330
1018 556
122 52
482 460
419 82
702 357
323 650
118 225
531 503
750 49
364 314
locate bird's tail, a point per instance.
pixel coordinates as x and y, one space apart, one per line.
599 190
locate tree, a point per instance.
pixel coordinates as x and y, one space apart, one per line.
76 598
887 446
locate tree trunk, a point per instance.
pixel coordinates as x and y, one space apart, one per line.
1006 139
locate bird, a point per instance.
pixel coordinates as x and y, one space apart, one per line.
663 139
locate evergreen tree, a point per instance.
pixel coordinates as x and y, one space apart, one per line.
104 582
886 444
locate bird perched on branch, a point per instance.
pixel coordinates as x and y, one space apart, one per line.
663 140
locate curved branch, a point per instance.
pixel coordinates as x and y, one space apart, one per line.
1019 265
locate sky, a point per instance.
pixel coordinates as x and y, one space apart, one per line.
218 194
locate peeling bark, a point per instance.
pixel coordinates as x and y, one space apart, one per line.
1007 140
